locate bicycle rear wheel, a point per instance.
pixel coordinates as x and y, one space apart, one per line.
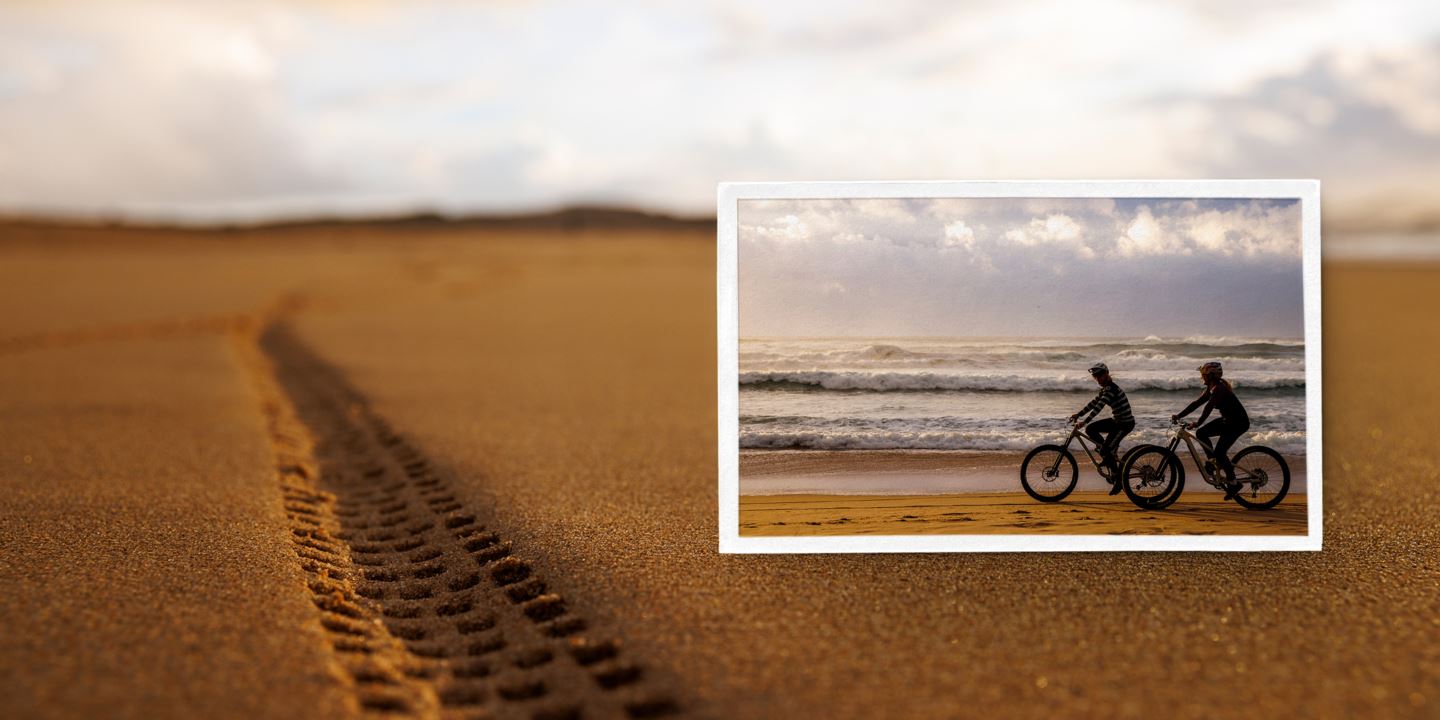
1049 473
1263 475
1152 477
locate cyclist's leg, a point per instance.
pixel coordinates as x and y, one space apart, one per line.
1100 431
1222 449
1110 452
1120 432
1214 428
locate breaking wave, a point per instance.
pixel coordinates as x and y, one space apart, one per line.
1288 442
930 381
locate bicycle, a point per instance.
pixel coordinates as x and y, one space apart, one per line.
1051 483
1153 476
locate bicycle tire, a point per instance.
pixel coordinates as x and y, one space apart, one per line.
1175 483
1056 493
1126 457
1284 481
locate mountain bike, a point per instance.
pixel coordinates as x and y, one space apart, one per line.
1153 476
1049 472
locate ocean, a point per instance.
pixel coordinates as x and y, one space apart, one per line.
988 394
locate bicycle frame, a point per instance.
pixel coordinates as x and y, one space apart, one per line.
1076 434
1191 440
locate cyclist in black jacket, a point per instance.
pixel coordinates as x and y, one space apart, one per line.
1107 433
1232 423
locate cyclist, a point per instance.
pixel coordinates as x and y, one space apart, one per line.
1232 423
1108 432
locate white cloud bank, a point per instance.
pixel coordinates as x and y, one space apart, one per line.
1020 266
212 110
1079 229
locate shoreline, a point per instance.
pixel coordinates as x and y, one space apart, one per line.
922 472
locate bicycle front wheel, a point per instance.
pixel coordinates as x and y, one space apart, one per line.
1049 473
1153 477
1263 475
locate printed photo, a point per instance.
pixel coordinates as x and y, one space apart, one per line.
1023 366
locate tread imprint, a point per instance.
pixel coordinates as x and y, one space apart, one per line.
430 613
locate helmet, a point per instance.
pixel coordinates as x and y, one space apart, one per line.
1212 368
1099 368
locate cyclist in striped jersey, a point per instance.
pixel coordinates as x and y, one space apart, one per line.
1108 432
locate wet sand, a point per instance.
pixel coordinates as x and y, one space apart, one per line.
1082 513
907 492
552 395
770 463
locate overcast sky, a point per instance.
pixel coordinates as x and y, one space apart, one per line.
261 108
1017 267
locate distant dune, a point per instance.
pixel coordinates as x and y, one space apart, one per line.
569 218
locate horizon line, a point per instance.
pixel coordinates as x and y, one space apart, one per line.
570 216
574 216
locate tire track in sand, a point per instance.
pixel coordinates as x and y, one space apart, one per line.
430 613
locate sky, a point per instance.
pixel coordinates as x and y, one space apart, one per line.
961 267
220 111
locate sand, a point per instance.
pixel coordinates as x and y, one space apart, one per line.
144 558
1082 513
906 492
552 394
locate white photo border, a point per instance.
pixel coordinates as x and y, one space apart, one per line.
730 194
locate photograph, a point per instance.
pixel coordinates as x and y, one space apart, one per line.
1102 365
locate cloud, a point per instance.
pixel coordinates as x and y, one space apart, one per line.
959 235
1035 227
960 238
1003 266
180 108
214 110
785 228
1144 236
1054 229
1366 123
1242 229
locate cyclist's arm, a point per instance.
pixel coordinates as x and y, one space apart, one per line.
1092 408
1204 396
1208 407
1223 399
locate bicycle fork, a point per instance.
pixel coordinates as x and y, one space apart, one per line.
1165 459
1055 467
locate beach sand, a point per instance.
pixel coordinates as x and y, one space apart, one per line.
145 564
795 493
236 440
1082 513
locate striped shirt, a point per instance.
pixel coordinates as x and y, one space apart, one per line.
1112 395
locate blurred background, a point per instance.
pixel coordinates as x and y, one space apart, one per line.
247 112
